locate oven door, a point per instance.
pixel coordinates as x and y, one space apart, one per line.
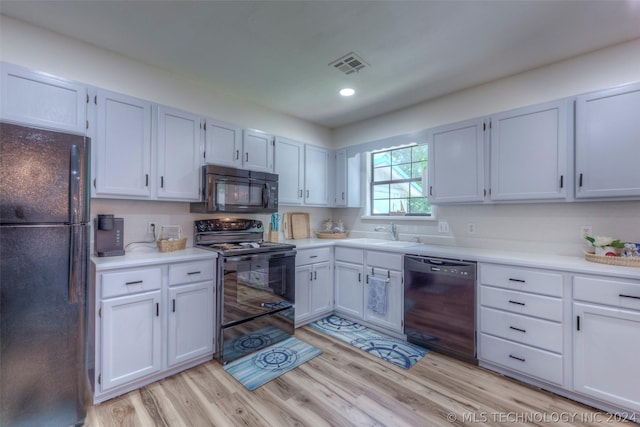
254 285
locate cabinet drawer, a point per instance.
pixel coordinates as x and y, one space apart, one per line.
528 360
610 291
131 281
386 260
548 308
190 272
525 330
311 256
522 279
355 256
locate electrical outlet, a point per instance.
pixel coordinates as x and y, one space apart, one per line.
471 228
586 230
443 227
152 226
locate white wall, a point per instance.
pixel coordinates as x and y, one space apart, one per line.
524 227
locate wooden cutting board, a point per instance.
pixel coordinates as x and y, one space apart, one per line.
300 225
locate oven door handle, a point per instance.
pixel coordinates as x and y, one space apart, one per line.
261 255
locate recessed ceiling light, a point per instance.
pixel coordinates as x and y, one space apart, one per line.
347 91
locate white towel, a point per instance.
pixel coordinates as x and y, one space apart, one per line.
377 299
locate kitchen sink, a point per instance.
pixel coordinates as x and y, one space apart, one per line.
369 241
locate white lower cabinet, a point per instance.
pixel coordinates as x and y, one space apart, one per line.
350 282
521 321
607 340
387 266
190 321
354 268
131 338
148 322
314 284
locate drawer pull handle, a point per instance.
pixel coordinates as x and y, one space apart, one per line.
629 296
518 329
517 280
194 272
137 282
313 256
516 302
521 359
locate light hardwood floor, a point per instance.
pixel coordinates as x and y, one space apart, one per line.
344 387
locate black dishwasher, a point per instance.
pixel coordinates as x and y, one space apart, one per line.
440 305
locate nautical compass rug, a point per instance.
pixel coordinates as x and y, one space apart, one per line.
257 369
398 352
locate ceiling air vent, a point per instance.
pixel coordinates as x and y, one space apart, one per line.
350 63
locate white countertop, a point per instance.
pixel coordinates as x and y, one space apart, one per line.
150 257
573 264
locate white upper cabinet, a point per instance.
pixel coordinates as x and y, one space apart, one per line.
529 152
223 144
316 175
179 138
122 145
608 143
42 100
289 166
347 180
456 163
257 150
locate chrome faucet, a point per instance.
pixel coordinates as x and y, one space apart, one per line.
393 231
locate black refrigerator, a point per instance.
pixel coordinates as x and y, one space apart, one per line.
44 255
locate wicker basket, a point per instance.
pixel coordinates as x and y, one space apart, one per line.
322 235
170 239
612 260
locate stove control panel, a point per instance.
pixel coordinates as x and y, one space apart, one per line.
228 224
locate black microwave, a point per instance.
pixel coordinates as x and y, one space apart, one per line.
234 190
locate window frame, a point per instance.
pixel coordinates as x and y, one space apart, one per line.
371 183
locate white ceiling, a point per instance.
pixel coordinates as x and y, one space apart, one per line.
276 53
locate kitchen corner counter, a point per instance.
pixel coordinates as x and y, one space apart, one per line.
151 257
575 264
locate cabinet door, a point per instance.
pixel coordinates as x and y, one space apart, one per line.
257 151
606 348
289 163
607 148
316 174
347 176
179 137
223 143
303 291
456 163
349 289
131 340
190 322
321 289
41 100
123 146
392 317
529 158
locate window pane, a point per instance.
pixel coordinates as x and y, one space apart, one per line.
381 191
402 155
401 171
399 190
382 174
381 206
418 205
416 189
417 169
398 205
419 153
381 159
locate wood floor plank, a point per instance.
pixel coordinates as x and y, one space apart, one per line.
344 386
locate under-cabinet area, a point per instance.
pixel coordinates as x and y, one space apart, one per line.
149 318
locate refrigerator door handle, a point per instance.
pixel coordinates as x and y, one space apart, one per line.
74 185
78 262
